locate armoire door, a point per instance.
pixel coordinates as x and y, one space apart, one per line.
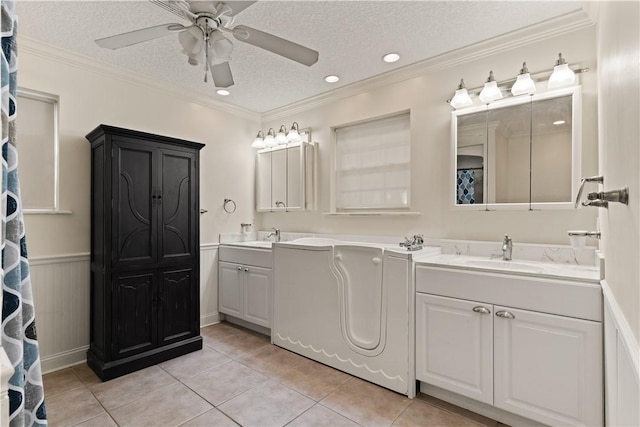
133 205
178 206
134 327
178 316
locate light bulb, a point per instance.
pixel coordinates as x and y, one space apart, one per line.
490 92
524 83
259 141
562 75
461 98
270 140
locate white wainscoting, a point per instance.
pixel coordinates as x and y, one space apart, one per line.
61 290
622 366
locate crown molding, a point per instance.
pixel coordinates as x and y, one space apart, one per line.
564 24
76 60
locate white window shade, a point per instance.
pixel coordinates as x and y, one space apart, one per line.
373 165
37 142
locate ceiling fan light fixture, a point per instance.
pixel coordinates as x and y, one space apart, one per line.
490 92
259 141
270 139
332 78
294 133
391 57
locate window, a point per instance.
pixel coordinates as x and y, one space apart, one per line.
37 141
373 165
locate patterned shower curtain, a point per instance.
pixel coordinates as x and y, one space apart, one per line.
26 393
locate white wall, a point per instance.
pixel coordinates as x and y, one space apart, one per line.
91 94
425 95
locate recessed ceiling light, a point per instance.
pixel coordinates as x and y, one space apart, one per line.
331 79
223 92
391 57
559 122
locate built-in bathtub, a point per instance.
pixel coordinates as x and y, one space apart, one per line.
349 305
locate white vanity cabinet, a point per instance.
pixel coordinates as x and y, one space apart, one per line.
244 284
285 178
504 340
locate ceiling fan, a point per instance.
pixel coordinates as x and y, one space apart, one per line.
207 39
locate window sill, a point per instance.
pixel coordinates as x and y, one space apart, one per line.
373 213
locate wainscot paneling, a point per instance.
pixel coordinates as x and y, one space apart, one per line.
61 290
622 366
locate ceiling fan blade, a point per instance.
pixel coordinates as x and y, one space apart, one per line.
275 44
221 74
236 6
177 7
138 36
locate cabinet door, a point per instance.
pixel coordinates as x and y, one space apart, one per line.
177 314
257 295
134 324
548 368
177 197
230 288
454 345
279 179
295 178
263 178
134 211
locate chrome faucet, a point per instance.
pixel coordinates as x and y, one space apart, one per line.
507 248
276 233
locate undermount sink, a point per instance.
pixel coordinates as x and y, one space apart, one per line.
504 265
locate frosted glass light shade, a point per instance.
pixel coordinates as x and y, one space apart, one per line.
270 140
259 141
294 136
461 99
524 84
562 76
281 137
490 92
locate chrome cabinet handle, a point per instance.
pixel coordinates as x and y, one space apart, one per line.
481 309
505 314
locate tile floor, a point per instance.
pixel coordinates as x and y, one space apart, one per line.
239 378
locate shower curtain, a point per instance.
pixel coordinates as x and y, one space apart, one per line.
26 392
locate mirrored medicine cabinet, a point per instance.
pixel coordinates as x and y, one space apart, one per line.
285 178
518 153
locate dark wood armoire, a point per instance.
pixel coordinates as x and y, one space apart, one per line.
145 246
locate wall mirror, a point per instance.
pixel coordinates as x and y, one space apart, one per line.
518 153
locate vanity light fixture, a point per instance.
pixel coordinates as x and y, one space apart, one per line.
331 78
281 137
391 57
270 139
294 133
562 74
490 92
524 83
461 98
223 92
259 141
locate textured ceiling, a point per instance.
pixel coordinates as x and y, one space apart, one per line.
351 37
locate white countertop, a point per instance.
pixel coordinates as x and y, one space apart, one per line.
516 267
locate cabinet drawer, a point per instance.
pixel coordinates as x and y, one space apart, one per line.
562 297
246 256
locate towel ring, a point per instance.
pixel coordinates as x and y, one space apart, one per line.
226 207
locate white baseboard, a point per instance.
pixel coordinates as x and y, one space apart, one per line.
210 319
55 362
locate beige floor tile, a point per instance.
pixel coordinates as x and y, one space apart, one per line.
366 403
211 418
103 420
168 406
86 374
320 416
269 404
194 363
458 410
60 382
222 383
313 379
423 414
120 391
239 345
221 329
72 407
271 360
